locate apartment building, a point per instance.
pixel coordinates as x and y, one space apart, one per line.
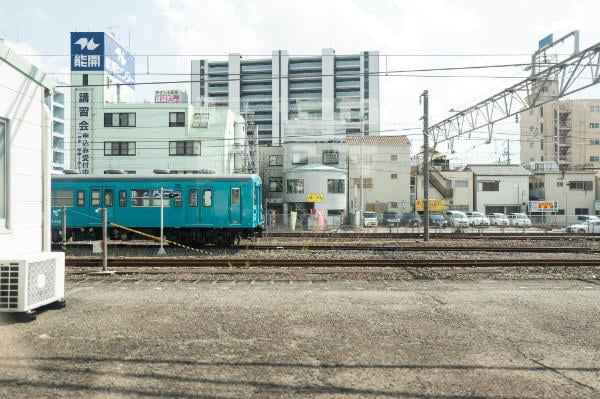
282 93
566 133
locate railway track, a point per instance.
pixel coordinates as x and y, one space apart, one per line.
182 263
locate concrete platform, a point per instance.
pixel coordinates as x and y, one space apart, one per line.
337 339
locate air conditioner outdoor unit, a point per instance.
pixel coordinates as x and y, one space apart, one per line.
32 281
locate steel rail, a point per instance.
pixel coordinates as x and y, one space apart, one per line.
311 262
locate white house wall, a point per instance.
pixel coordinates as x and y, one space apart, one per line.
22 90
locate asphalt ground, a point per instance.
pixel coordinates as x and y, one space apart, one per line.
332 339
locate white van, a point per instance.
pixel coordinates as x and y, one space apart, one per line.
370 219
456 218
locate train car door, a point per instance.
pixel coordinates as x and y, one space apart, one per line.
101 197
192 209
207 206
235 200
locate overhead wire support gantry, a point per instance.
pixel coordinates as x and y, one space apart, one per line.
580 71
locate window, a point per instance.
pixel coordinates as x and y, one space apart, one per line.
394 157
295 186
3 174
62 198
541 144
394 176
207 198
119 148
461 183
581 185
200 120
367 182
177 198
275 160
186 147
122 198
336 186
393 205
559 184
80 198
581 211
176 119
541 111
108 197
594 141
156 199
123 119
490 186
541 128
193 197
275 184
235 196
95 197
594 158
330 157
594 108
140 198
594 125
299 158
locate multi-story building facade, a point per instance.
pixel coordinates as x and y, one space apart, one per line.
284 93
111 133
566 133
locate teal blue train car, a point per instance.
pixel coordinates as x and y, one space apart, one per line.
196 209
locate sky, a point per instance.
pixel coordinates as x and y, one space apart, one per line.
410 36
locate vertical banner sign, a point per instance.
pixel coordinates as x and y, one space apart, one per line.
83 130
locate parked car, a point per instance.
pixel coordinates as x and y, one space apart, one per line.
411 219
519 219
456 219
593 226
370 219
582 219
391 219
437 220
587 218
478 219
498 219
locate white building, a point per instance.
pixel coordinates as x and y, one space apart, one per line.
283 93
500 188
25 160
111 133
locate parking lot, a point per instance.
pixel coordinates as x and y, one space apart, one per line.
331 339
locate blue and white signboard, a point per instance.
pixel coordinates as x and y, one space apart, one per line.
96 51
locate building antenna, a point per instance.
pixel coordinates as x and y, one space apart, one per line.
111 29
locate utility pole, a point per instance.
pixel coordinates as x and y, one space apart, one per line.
425 96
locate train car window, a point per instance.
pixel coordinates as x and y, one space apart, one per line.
156 199
177 198
207 197
95 197
193 197
108 197
80 198
235 195
122 198
140 198
62 198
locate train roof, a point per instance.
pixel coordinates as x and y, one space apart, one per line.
156 177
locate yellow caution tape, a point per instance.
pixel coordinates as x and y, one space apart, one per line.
158 239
